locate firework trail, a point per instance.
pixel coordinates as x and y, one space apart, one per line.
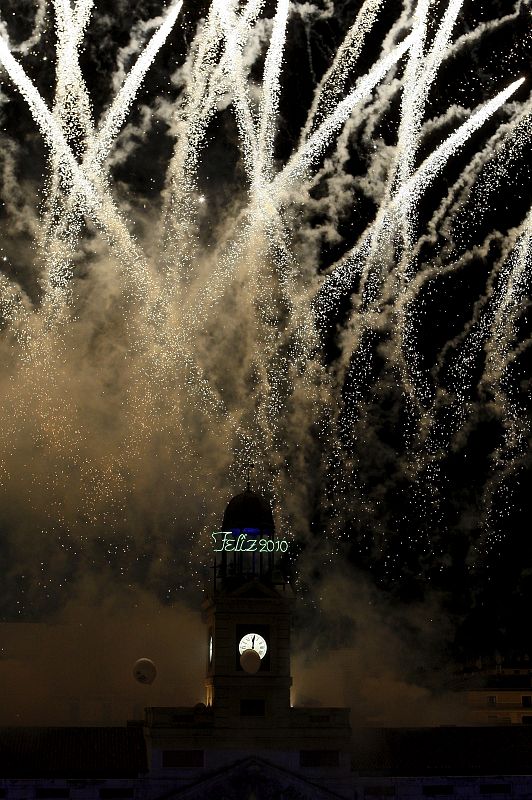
332 86
175 291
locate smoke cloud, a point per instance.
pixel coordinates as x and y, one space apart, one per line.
175 307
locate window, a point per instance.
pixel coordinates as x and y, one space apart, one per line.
492 700
319 758
45 792
527 701
116 792
437 790
494 788
252 708
182 759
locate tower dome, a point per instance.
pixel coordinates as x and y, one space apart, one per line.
248 512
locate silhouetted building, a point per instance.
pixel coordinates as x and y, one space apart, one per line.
502 695
246 742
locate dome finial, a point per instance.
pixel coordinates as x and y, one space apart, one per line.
248 510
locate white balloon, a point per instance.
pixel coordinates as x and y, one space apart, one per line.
250 661
144 670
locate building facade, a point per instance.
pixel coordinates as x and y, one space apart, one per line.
247 741
501 696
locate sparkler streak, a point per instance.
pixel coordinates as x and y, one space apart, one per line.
86 176
334 79
236 80
98 205
318 141
245 281
417 85
101 146
507 304
344 273
72 110
437 160
412 101
208 81
270 96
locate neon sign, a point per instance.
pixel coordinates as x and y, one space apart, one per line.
247 544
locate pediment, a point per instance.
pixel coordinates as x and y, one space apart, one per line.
252 779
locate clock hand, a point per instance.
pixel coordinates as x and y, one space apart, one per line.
253 643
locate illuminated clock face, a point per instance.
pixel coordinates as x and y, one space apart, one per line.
253 641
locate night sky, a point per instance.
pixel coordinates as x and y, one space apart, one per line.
389 421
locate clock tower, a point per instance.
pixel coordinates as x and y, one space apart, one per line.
247 731
248 618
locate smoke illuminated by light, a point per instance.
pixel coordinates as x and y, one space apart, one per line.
183 306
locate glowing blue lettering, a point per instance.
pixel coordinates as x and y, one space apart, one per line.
247 544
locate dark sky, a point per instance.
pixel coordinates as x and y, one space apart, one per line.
391 425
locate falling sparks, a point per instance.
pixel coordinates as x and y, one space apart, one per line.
172 288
